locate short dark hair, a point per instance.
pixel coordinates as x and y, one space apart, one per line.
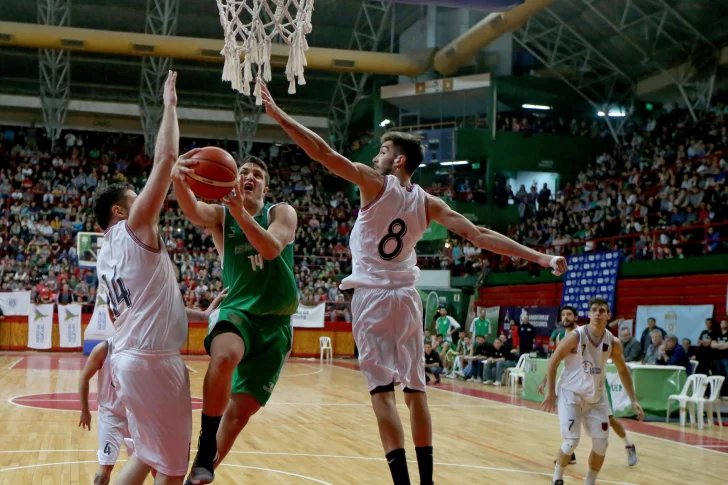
598 300
256 161
408 145
107 197
571 309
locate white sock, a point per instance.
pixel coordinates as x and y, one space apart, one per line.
591 477
558 472
627 442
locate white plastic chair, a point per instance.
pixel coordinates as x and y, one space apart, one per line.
518 373
694 364
325 346
699 383
715 383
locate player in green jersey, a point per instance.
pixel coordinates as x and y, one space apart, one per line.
446 325
480 325
251 336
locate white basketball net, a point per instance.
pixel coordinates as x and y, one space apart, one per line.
291 19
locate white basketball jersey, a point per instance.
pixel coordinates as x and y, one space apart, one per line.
106 395
149 313
585 368
383 240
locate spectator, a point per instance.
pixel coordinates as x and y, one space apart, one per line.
646 340
691 351
653 350
705 352
432 364
474 371
719 345
496 363
673 354
631 346
526 336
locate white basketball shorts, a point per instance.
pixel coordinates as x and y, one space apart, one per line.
575 412
387 327
154 388
113 431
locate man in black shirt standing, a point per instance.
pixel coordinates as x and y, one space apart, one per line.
432 364
526 336
719 345
705 353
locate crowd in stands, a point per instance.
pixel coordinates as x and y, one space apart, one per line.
45 200
660 195
542 122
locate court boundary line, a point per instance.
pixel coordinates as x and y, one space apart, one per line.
38 465
12 401
522 406
300 455
15 363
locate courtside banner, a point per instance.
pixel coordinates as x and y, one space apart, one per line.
309 316
100 327
591 275
40 326
69 325
15 303
685 321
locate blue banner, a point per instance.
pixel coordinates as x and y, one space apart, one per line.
543 318
589 276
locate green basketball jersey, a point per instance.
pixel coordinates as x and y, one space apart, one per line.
481 327
255 285
443 325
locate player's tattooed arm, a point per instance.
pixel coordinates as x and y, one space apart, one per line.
483 238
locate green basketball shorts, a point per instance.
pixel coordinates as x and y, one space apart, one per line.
267 339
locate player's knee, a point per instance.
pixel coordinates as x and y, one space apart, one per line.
569 445
599 446
225 359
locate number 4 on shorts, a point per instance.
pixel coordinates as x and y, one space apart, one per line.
107 449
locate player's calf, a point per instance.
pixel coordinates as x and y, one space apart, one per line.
103 475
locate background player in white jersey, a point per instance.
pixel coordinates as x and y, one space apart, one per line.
150 377
581 388
568 321
113 427
387 310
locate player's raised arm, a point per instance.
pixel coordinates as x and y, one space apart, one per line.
145 211
565 347
368 180
199 213
93 364
484 238
625 376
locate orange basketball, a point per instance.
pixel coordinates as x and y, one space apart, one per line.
215 174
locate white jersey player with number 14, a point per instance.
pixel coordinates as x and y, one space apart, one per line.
581 389
150 378
386 308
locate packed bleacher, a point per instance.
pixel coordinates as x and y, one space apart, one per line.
660 195
46 202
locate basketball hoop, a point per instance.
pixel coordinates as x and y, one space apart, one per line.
264 20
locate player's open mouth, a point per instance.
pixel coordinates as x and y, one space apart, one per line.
248 187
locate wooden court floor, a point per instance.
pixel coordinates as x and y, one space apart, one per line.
319 429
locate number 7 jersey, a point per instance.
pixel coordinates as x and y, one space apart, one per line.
383 240
149 313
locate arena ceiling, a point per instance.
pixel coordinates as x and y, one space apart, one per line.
641 42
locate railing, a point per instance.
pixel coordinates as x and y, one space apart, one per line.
626 243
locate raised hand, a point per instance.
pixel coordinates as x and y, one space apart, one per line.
170 89
271 108
558 265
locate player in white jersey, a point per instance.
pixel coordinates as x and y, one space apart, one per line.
149 375
386 308
113 428
581 388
